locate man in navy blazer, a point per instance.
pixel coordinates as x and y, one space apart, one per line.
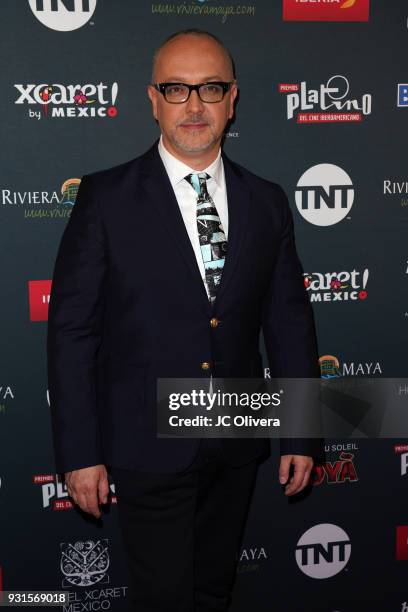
129 304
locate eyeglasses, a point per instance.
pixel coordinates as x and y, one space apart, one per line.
177 93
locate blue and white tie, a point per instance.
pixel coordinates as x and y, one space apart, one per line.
213 241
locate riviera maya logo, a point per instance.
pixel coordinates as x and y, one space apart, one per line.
85 563
69 191
204 8
44 204
68 101
330 367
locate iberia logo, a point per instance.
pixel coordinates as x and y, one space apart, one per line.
326 10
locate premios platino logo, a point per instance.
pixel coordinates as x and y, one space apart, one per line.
331 102
73 101
54 493
401 450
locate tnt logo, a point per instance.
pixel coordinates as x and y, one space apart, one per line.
324 194
402 94
63 15
323 551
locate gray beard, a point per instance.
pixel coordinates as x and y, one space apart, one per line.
198 149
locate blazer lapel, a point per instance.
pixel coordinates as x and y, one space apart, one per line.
159 190
239 197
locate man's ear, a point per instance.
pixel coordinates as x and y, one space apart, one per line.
233 95
152 93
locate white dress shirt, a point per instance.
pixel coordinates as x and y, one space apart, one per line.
187 197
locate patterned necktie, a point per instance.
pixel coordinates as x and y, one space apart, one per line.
213 241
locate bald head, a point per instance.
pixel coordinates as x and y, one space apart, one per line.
192 130
189 37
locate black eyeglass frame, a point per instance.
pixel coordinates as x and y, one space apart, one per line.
226 86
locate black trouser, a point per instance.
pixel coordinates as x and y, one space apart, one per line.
182 532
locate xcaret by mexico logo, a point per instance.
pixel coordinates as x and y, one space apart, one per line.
330 103
85 101
85 563
336 286
63 15
326 10
324 195
84 566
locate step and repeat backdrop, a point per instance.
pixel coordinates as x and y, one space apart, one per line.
323 111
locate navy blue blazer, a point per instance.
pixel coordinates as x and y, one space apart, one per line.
128 305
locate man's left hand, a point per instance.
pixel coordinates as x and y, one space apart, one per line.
302 469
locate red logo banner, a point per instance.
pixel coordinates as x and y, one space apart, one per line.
326 10
39 296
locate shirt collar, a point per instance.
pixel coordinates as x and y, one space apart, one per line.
177 170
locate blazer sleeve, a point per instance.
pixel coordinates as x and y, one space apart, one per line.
74 334
288 324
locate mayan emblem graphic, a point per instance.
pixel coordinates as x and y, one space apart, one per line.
85 563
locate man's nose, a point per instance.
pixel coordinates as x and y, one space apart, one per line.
194 104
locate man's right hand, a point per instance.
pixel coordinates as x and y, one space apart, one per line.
88 487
